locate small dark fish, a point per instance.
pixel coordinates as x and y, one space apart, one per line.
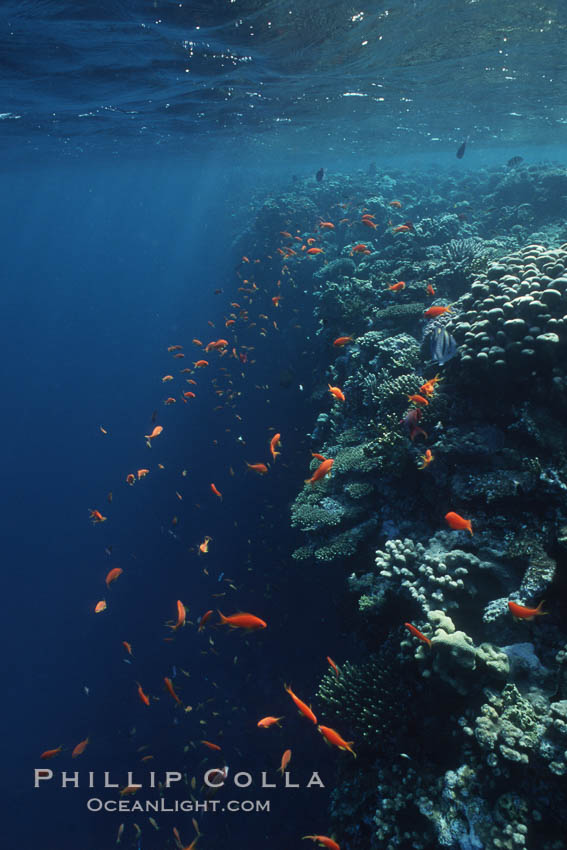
462 149
516 160
319 175
410 225
443 346
286 378
154 417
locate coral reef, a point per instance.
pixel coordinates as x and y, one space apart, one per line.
483 756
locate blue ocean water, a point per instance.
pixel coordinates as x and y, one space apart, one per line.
147 147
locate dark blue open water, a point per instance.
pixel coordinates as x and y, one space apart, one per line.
146 147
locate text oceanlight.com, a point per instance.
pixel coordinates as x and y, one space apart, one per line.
95 804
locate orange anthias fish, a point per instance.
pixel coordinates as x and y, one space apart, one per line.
429 289
80 748
127 646
314 251
418 399
428 388
426 459
275 442
302 706
369 223
326 225
342 340
142 473
260 468
397 204
323 841
411 420
416 633
166 378
266 722
394 287
286 758
204 618
100 607
276 300
519 612
96 516
433 312
242 621
112 575
181 617
323 469
360 249
402 228
203 547
311 240
171 690
333 737
143 697
211 746
49 754
457 522
129 789
337 392
155 433
216 345
216 491
130 479
200 364
333 666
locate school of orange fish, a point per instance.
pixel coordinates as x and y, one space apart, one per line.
224 351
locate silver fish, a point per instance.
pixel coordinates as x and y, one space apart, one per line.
443 346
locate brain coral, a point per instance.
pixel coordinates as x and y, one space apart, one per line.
514 320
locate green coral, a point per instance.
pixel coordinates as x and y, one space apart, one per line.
398 313
346 543
359 489
362 458
366 698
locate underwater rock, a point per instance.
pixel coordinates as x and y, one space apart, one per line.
525 666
